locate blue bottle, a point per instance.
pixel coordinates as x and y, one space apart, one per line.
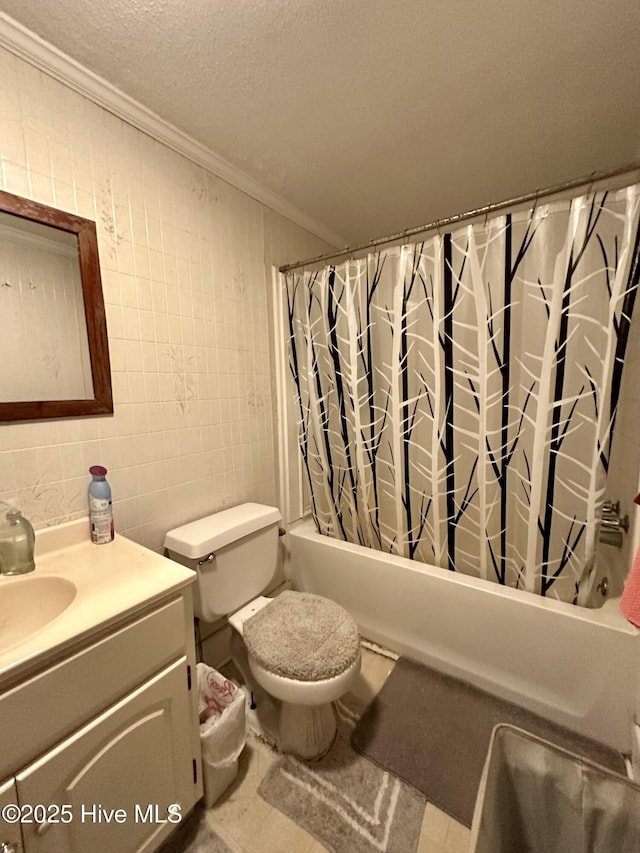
100 507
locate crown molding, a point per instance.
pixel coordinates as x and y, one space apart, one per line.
44 56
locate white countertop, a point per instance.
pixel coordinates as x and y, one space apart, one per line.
112 581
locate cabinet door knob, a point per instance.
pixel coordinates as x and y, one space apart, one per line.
7 847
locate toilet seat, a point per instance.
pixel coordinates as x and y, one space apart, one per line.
304 692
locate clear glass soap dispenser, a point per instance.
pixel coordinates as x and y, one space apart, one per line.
17 544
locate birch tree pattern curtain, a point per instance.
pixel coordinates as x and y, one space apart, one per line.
457 397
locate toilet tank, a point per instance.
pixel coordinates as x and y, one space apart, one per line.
234 552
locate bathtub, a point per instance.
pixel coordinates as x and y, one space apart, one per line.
575 666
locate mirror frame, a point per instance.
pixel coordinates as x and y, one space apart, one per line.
94 312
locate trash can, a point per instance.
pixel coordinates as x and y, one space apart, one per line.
223 731
535 797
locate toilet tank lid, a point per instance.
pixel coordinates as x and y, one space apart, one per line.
215 531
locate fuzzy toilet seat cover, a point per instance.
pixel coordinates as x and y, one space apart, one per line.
302 636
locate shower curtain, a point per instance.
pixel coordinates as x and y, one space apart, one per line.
457 397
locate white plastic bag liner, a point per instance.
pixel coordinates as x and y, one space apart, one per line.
535 797
221 707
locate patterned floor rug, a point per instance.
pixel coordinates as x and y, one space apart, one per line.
345 801
195 836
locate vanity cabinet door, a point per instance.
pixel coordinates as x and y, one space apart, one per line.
122 776
10 832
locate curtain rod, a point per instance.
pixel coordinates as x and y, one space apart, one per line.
591 179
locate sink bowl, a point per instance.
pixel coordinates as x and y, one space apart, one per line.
28 604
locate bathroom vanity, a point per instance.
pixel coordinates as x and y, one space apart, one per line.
99 738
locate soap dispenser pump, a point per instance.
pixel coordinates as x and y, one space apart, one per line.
17 544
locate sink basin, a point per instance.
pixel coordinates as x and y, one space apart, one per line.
28 604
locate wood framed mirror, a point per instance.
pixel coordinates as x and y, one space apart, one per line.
54 351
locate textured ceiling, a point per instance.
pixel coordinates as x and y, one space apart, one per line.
372 115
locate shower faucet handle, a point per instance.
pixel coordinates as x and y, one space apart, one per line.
616 523
611 524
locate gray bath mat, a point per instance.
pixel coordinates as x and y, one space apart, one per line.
349 804
433 731
194 835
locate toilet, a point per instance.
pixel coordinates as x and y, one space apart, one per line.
297 652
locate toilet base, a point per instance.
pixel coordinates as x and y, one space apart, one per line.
307 731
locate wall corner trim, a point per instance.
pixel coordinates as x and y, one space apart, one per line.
28 46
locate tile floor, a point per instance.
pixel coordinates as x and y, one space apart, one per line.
248 824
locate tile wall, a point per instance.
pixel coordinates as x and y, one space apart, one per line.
185 270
